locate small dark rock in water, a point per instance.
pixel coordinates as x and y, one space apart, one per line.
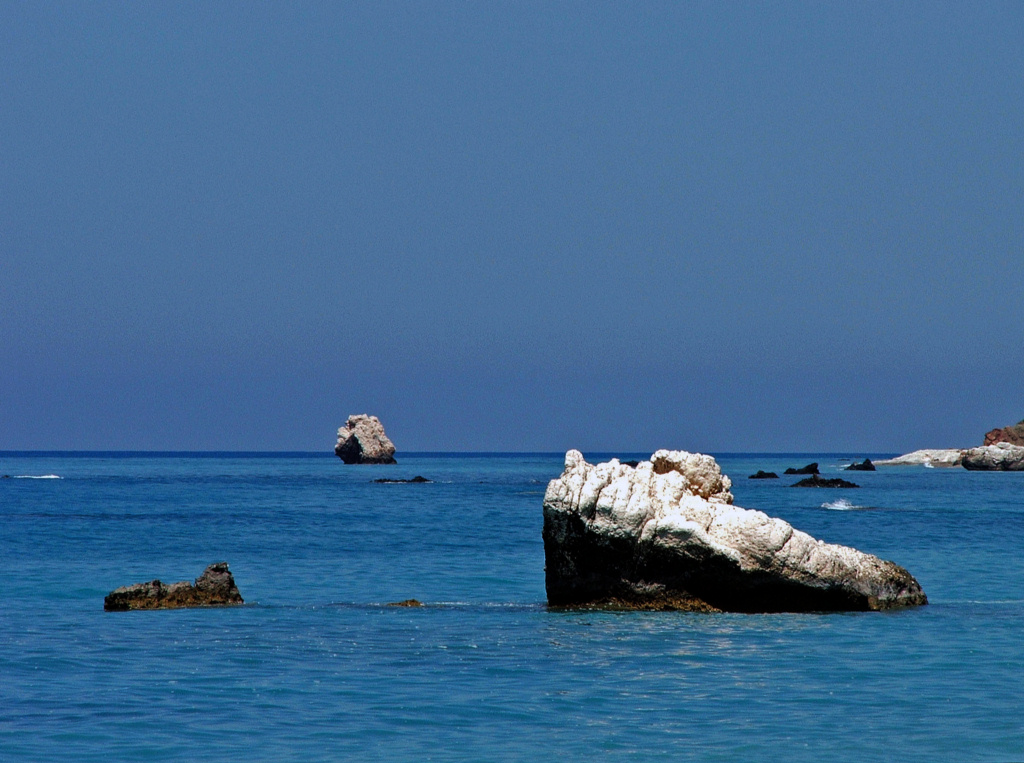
634 464
818 481
809 469
406 603
7 476
214 588
417 478
761 475
864 466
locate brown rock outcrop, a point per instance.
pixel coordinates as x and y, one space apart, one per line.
214 588
1013 435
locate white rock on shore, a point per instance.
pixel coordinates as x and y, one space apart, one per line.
1001 457
946 457
664 535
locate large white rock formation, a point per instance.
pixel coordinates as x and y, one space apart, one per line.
665 535
933 457
362 441
1001 457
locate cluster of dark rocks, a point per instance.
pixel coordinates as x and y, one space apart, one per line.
816 480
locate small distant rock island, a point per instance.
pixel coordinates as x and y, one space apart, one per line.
417 479
665 536
809 469
362 441
214 588
763 475
863 466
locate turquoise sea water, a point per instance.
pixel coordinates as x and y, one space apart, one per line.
315 668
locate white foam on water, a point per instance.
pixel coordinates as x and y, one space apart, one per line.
38 477
841 505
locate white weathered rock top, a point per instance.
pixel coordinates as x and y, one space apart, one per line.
362 441
934 457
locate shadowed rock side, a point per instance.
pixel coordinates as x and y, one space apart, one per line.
1013 435
362 441
1001 457
214 588
665 536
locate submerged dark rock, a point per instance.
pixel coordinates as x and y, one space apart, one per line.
665 536
406 603
809 469
761 475
214 588
863 466
416 479
819 481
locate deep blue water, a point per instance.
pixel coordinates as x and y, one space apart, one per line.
315 668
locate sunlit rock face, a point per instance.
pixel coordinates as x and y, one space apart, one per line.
362 441
1001 457
946 457
665 535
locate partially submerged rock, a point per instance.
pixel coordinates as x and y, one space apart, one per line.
863 466
762 475
417 479
818 481
405 603
214 588
809 469
944 457
362 441
1001 457
1013 435
665 535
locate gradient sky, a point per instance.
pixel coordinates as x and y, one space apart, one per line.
511 226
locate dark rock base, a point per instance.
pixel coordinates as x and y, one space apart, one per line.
588 570
817 481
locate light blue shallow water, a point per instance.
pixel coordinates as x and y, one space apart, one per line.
315 668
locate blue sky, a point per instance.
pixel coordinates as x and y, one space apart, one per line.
519 226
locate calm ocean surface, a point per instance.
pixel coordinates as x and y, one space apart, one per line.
315 668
